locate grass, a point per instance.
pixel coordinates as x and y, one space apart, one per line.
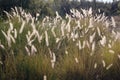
80 47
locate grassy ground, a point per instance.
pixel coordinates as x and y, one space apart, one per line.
81 46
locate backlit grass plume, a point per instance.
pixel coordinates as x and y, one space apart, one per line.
79 46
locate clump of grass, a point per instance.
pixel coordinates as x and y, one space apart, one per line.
81 46
36 67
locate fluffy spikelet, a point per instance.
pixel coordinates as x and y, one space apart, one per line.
76 60
118 56
103 41
111 51
53 60
15 33
53 31
62 28
7 38
103 62
44 77
22 27
27 50
1 45
95 65
92 37
93 46
33 50
109 66
46 38
113 22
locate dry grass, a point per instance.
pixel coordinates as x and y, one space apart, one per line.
81 46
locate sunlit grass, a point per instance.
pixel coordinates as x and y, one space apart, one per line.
80 46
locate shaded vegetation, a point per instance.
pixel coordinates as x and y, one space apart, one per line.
48 8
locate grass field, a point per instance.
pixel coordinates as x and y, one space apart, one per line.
80 46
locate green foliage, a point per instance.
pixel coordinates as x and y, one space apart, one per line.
118 11
7 4
115 8
34 6
48 7
42 7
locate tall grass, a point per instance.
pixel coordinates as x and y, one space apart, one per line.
82 46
